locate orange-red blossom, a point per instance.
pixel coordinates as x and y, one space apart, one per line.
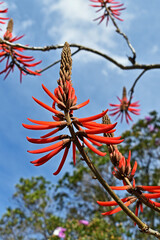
155 193
86 129
14 57
124 108
110 7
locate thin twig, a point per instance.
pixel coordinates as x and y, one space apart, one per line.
131 59
51 65
134 84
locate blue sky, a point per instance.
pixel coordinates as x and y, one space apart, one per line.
47 22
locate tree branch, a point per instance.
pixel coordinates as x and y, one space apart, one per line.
134 84
83 48
131 59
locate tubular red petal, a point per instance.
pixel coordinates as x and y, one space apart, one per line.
37 127
128 165
50 133
147 188
136 212
154 195
141 207
61 90
75 100
111 203
32 72
122 165
31 64
92 125
114 105
74 153
134 168
80 105
47 107
49 93
106 140
157 204
118 209
43 140
95 143
49 148
126 187
62 161
95 117
54 124
53 96
73 94
23 56
69 89
93 148
47 157
101 130
154 191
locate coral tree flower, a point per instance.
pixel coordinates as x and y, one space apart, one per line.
13 56
110 7
124 108
2 19
82 130
123 166
154 193
123 171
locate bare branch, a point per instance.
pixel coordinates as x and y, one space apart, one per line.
51 65
80 48
131 59
134 84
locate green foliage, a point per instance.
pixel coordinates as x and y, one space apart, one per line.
97 229
34 215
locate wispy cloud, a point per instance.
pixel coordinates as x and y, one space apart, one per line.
74 23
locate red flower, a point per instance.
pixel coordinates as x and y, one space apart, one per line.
2 19
129 200
110 7
83 130
13 56
124 108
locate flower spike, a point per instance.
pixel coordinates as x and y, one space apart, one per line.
64 102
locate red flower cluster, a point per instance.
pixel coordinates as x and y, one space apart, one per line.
110 7
13 56
124 108
154 192
65 99
2 19
123 168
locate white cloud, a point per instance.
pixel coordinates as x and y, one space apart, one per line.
72 21
154 49
27 23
